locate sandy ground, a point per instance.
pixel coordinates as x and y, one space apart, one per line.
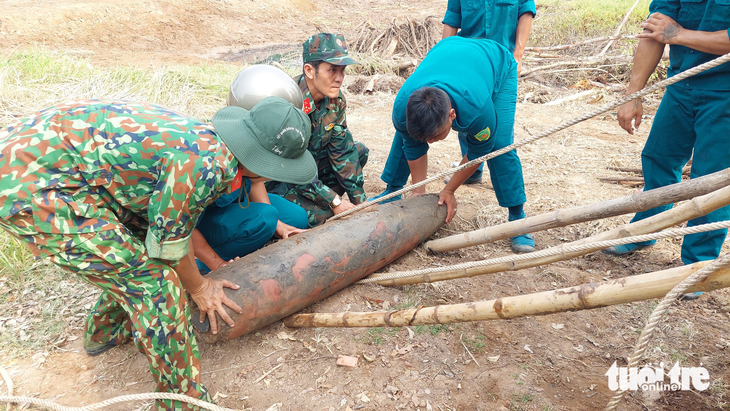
553 362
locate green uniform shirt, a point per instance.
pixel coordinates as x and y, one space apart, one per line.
88 166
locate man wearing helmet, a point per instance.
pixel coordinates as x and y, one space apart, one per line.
339 159
111 191
243 221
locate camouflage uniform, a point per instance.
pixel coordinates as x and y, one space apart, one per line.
339 159
111 191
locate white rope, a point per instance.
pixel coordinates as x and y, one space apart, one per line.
124 398
664 83
592 246
657 316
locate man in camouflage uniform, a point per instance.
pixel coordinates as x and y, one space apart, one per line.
112 190
339 159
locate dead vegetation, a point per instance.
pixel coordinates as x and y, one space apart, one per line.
401 38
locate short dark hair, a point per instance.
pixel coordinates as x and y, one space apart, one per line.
315 64
427 112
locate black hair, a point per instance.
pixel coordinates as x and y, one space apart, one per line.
315 64
427 112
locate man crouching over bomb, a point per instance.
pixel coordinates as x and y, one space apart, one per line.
468 85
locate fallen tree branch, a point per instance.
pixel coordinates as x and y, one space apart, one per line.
580 43
620 26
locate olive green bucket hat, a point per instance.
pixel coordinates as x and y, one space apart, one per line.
269 140
327 47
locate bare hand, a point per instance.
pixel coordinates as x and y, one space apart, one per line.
628 112
447 197
660 28
344 206
284 230
210 299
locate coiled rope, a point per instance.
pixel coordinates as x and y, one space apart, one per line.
592 246
662 84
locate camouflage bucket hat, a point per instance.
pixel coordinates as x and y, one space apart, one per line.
327 47
270 140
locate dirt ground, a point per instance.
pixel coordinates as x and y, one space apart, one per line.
553 362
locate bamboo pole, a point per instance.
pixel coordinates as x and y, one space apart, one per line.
694 208
586 296
642 201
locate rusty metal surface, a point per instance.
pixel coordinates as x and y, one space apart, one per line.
285 277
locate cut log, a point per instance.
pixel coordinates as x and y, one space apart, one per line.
586 296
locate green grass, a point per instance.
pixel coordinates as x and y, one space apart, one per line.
377 335
35 79
431 329
476 344
569 21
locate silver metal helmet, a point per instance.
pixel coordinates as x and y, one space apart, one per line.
256 82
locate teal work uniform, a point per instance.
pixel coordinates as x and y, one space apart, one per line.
694 115
483 92
234 230
339 158
487 19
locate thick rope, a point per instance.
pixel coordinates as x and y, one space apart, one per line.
124 398
592 246
659 311
662 84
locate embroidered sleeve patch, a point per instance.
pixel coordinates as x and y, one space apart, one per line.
483 135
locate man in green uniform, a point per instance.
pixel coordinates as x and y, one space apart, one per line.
112 190
339 159
694 115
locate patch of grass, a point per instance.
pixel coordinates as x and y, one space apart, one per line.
432 329
377 335
569 21
40 303
35 79
477 344
519 401
678 355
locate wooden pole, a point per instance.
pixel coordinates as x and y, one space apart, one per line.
586 296
694 208
630 204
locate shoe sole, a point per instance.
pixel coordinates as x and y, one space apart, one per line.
98 351
617 254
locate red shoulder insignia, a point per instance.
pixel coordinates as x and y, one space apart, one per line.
307 106
238 180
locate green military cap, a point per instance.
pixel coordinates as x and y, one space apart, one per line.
328 47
